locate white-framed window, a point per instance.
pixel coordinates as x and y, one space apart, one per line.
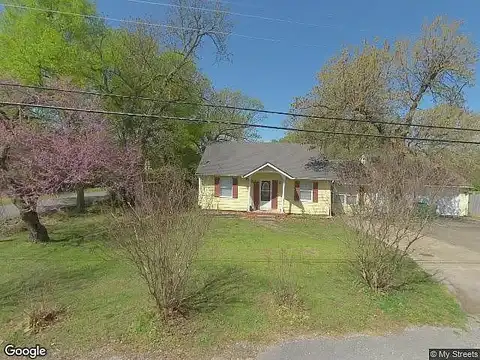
226 187
306 191
345 199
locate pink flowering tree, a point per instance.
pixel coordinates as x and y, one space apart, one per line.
47 151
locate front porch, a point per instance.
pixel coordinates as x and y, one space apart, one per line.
250 214
267 190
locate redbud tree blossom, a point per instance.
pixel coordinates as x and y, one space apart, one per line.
44 151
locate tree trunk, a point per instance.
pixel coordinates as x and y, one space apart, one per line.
113 197
126 197
121 196
28 213
80 199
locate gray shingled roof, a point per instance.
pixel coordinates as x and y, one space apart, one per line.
237 159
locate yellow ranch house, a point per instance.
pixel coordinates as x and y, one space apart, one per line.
287 178
267 177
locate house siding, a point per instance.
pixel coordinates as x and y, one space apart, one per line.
450 202
207 199
322 207
342 207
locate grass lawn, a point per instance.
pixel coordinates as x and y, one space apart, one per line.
106 303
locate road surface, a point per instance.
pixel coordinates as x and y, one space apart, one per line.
411 344
51 204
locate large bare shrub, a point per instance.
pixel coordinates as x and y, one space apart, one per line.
397 196
161 235
285 285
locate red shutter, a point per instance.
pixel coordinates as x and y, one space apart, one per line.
235 188
274 194
256 195
217 186
296 194
315 191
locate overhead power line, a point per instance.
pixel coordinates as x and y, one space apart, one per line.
231 107
137 22
235 3
208 121
230 13
261 261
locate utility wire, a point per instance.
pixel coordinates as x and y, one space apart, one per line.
259 261
196 120
235 3
154 24
230 13
231 107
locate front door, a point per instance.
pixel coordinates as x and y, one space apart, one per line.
265 195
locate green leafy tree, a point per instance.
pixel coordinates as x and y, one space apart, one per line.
160 64
386 82
136 62
212 132
40 44
138 68
464 159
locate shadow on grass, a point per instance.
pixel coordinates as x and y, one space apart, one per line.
92 208
220 289
77 233
10 227
407 276
16 291
63 227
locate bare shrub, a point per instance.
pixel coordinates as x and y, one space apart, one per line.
285 285
397 195
161 235
42 314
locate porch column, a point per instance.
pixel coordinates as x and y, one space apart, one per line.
249 193
283 193
200 191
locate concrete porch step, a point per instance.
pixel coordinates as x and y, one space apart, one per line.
250 215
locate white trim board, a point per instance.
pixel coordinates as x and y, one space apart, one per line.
269 165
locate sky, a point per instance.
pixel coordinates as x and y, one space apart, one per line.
277 72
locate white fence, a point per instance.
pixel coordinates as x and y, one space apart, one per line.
474 205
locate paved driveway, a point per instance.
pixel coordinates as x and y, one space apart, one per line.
451 249
463 232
